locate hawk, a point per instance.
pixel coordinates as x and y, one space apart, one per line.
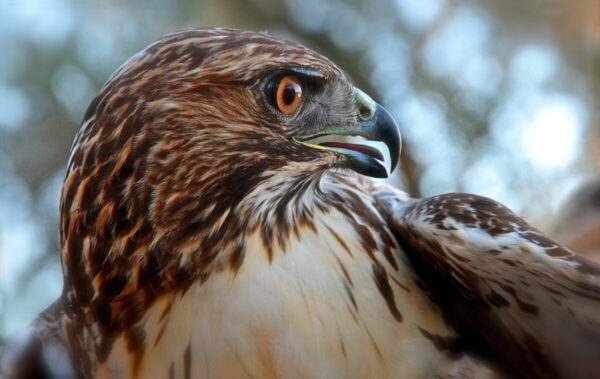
216 220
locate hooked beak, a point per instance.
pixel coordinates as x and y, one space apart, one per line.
367 146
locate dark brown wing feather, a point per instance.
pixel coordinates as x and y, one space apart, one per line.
520 300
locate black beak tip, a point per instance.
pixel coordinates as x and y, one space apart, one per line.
382 127
390 134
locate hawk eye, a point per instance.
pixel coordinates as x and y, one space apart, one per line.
288 94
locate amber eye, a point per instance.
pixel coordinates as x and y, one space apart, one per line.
288 95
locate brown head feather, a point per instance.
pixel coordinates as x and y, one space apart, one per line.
175 140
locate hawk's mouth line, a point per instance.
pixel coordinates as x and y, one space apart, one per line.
345 143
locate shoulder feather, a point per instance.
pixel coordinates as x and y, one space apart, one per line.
518 298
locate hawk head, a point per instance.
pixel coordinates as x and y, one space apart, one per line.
176 139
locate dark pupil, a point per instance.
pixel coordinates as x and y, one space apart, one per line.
289 94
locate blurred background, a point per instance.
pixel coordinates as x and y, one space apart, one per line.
498 98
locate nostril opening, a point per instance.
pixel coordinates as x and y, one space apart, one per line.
365 112
365 105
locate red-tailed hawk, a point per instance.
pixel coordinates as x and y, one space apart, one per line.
211 225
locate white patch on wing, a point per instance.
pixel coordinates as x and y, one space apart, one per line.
473 242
